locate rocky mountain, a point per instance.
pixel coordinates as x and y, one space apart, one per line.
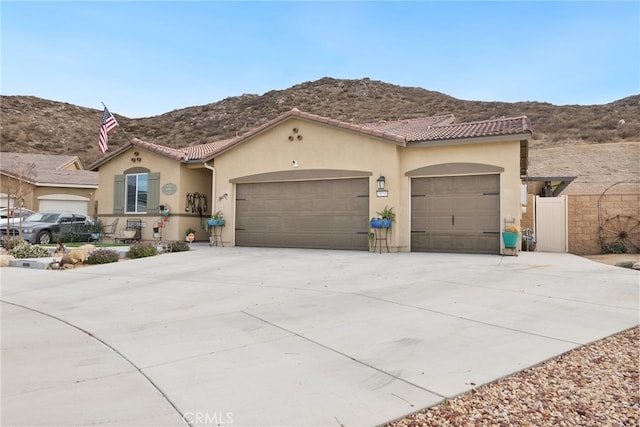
35 125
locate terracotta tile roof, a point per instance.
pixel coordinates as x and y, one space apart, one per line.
440 128
400 132
49 169
412 129
377 133
197 152
495 127
171 153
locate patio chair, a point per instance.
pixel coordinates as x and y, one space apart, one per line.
109 230
135 225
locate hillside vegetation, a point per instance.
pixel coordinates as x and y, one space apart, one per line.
35 125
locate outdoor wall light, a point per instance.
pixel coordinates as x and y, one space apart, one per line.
380 182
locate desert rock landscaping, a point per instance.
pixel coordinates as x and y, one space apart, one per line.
594 385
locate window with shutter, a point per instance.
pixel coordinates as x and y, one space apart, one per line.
137 191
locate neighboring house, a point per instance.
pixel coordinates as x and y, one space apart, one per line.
594 199
47 182
302 180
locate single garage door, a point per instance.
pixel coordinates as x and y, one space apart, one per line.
324 214
64 202
456 214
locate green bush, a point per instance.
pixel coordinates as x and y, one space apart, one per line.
26 250
102 256
141 250
178 246
13 242
72 233
615 248
65 235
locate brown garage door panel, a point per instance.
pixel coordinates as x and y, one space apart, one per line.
327 214
445 242
456 214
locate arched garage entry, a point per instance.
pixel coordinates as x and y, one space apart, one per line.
455 207
315 209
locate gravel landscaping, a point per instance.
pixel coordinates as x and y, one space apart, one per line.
594 385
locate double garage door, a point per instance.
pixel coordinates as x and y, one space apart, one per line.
322 214
456 214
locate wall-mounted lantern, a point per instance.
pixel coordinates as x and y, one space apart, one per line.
381 192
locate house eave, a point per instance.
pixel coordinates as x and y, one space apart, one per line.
67 185
471 140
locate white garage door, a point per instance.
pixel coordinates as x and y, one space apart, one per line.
64 202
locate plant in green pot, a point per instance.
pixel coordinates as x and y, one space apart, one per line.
96 229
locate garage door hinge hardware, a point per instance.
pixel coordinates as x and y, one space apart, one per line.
418 195
418 231
363 195
491 194
240 199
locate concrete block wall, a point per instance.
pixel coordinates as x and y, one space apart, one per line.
583 219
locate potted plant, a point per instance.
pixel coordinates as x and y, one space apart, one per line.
385 218
510 236
96 229
216 219
190 235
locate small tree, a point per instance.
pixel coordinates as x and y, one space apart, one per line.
17 190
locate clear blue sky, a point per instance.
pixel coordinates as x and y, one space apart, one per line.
151 57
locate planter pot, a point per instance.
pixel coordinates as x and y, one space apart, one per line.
215 222
510 239
165 212
381 223
156 229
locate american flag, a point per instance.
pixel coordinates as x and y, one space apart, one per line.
109 123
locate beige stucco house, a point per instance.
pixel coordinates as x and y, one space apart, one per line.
302 180
43 182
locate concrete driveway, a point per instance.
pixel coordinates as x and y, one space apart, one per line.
279 337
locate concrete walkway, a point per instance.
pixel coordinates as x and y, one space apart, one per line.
279 337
